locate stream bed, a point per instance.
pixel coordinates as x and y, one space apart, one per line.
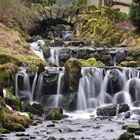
76 127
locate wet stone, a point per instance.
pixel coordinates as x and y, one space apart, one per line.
51 138
22 135
51 125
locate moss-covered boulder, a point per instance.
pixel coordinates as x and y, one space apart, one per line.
129 63
12 101
91 62
72 75
54 114
35 108
126 136
11 120
132 128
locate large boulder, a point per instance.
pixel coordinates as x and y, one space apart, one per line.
72 75
107 111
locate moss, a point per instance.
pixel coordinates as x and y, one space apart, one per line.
104 26
11 120
91 62
54 114
15 51
12 126
129 63
3 130
132 128
12 101
35 109
84 63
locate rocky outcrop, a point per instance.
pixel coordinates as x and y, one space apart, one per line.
72 75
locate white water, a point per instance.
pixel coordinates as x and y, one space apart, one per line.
26 91
59 94
54 58
92 78
35 46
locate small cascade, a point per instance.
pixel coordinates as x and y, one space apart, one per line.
33 87
35 46
59 89
54 58
96 84
23 89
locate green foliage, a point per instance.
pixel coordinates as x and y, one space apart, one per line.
129 63
135 14
91 62
103 26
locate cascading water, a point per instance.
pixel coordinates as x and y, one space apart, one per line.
35 46
54 58
23 89
94 84
59 89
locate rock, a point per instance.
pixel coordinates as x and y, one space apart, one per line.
72 75
123 108
127 115
107 111
51 138
12 101
54 114
64 56
126 136
132 128
51 125
114 81
129 63
46 51
36 109
58 42
22 135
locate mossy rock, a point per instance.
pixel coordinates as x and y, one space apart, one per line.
84 63
132 128
129 63
10 120
36 109
91 62
54 114
12 126
12 101
72 75
126 136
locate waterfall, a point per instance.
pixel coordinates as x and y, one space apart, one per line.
33 87
35 47
23 89
59 88
94 86
54 58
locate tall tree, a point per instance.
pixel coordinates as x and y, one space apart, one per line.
135 14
